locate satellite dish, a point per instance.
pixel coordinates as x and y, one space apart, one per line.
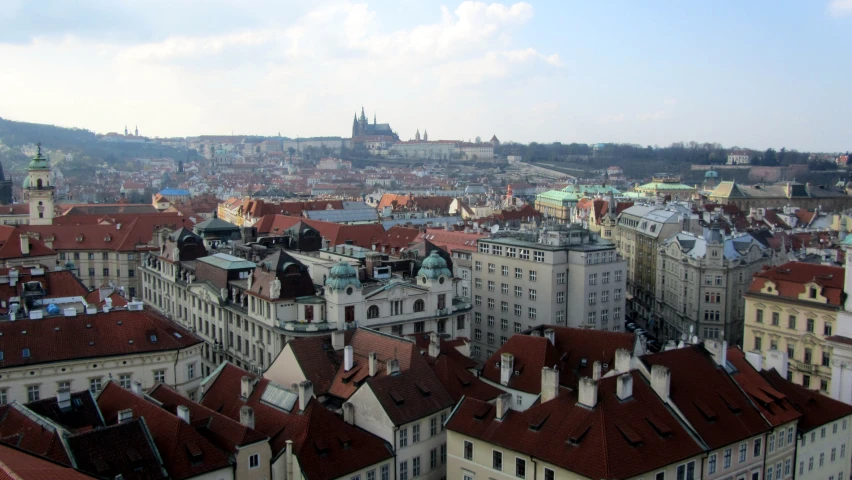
495 229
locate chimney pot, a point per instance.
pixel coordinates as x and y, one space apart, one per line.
373 361
306 391
588 392
183 413
504 404
624 386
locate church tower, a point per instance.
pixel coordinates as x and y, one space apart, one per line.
417 136
38 190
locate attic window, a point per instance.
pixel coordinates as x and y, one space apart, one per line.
537 421
813 292
423 389
482 412
629 434
344 440
396 397
100 464
579 431
193 450
26 353
732 405
2 357
465 382
321 446
706 412
661 428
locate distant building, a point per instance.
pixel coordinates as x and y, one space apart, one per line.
666 187
806 196
738 158
361 127
5 188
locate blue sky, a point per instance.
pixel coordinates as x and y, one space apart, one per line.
743 73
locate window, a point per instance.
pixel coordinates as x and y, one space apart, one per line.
776 318
616 313
743 449
504 289
791 322
490 338
497 460
560 278
91 272
254 460
519 273
826 359
810 325
159 376
477 334
727 458
491 285
477 283
504 306
95 384
518 309
758 343
519 292
532 313
106 272
560 316
833 454
403 470
591 318
443 454
549 474
415 433
538 256
517 327
616 294
33 393
769 472
124 380
477 265
131 273
593 279
771 443
757 447
433 459
373 311
491 268
593 298
468 450
497 250
385 472
403 437
504 270
604 316
490 320
504 324
711 464
433 426
533 294
560 297
511 251
686 471
477 317
605 296
477 300
524 254
533 275
415 466
826 329
520 468
605 277
4 399
759 316
718 279
190 370
618 275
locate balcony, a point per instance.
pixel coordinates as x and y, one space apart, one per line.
803 367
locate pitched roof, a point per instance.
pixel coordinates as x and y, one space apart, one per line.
708 397
326 446
775 407
82 414
816 409
615 439
125 448
118 332
20 429
362 235
411 394
17 464
128 237
791 277
185 452
10 244
292 274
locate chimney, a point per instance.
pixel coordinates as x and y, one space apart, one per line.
136 387
306 391
25 244
347 358
661 381
597 367
393 366
719 351
507 367
588 394
504 404
337 339
247 416
183 413
549 384
624 386
246 386
63 398
622 360
373 362
550 334
349 413
434 345
778 360
125 415
755 359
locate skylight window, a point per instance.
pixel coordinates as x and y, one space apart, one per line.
26 353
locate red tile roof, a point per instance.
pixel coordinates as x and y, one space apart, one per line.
22 431
414 393
81 416
708 397
19 465
531 355
313 430
362 235
119 332
125 449
775 407
817 409
57 284
791 277
10 244
107 235
451 241
176 440
614 440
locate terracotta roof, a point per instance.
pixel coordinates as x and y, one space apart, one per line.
364 341
412 394
10 244
452 241
59 338
107 235
615 439
459 382
318 434
773 405
82 415
185 452
291 273
708 397
791 277
361 235
56 284
125 449
21 430
19 465
531 355
816 409
224 432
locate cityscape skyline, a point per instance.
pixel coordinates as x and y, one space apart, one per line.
523 71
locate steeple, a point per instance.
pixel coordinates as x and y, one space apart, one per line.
363 117
125 130
417 136
425 136
137 131
374 118
38 189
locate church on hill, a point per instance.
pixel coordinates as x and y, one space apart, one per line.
361 127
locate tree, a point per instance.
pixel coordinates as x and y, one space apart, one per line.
770 159
291 151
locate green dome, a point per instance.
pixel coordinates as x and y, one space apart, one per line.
434 267
711 174
341 276
27 181
38 162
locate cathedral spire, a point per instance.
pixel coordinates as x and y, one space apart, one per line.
374 118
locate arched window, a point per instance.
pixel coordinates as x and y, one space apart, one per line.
38 183
373 311
419 306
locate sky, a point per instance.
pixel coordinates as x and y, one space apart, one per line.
757 73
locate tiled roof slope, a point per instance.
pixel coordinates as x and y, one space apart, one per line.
226 433
21 430
82 415
775 407
326 446
185 452
616 439
708 397
362 235
412 394
125 448
10 244
791 277
531 355
817 409
118 332
19 465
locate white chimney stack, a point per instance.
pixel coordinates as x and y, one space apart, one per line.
245 386
622 360
597 368
125 415
247 416
434 345
778 360
349 413
507 367
661 381
393 366
624 386
25 244
588 392
306 391
719 351
183 413
136 387
549 384
348 359
337 340
373 362
504 404
755 359
550 335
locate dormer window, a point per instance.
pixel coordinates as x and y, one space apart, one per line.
812 292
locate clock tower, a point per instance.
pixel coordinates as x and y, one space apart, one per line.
39 191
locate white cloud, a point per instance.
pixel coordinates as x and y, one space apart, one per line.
617 118
840 8
651 116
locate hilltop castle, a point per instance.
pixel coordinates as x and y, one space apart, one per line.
362 128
